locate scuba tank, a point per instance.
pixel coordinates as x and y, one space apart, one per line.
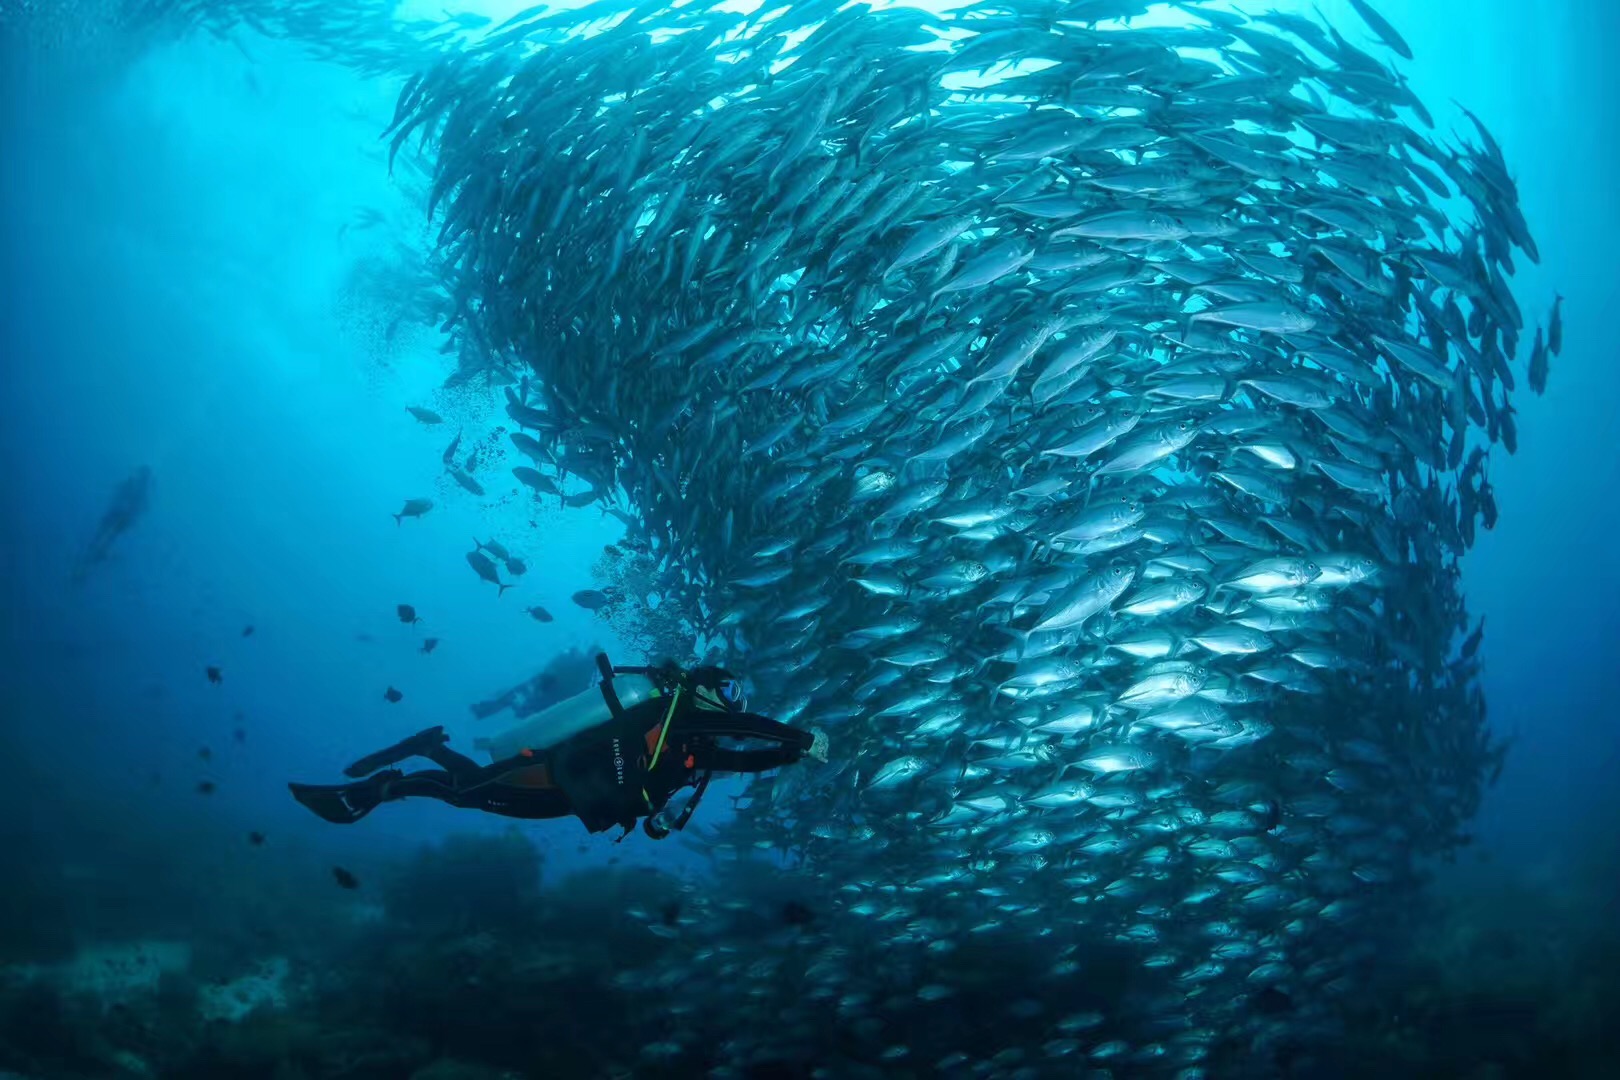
621 688
568 718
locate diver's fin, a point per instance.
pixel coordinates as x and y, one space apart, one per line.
344 804
415 746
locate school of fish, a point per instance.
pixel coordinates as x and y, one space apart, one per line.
1082 419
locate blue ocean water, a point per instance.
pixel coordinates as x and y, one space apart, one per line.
183 289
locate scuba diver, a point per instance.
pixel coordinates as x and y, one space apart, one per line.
609 756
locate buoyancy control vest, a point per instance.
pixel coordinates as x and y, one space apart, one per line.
601 746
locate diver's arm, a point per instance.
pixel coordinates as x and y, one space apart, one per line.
745 761
744 726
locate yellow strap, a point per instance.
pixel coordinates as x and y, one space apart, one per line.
663 733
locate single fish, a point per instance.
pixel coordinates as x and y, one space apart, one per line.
591 599
486 571
449 455
1382 27
897 772
537 481
466 481
413 508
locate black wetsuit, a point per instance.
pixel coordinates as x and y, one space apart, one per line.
601 776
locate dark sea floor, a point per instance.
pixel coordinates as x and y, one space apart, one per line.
465 962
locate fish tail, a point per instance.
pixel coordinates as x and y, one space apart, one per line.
399 519
1023 642
499 589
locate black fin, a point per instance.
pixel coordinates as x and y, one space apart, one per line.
341 804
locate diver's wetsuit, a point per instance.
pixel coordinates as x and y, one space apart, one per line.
592 775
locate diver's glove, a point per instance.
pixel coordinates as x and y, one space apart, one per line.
818 746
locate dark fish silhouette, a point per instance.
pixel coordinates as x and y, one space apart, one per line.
486 570
465 479
430 644
345 879
426 416
407 614
591 599
206 787
247 631
534 479
413 508
392 695
215 675
256 838
539 614
128 504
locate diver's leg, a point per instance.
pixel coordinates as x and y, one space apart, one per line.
422 744
458 765
531 804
